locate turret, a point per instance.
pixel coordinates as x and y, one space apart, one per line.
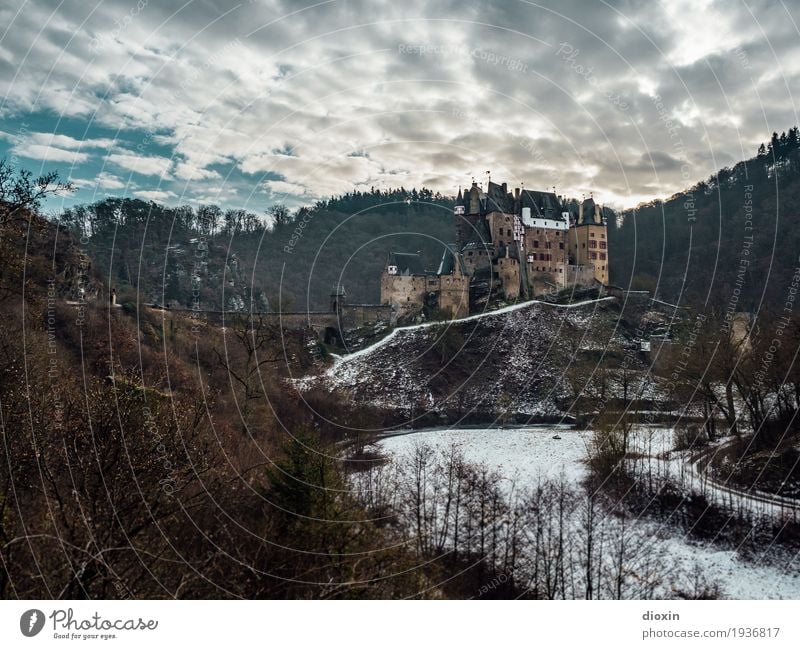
338 299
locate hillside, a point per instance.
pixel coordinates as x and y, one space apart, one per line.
730 238
234 259
127 429
533 361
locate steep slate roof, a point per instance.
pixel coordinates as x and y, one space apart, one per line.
544 205
451 256
408 263
589 208
498 199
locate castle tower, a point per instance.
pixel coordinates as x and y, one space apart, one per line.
588 241
453 284
338 299
467 214
458 217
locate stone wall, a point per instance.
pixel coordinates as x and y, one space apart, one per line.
580 275
405 292
454 295
501 226
477 259
542 282
507 272
585 249
353 316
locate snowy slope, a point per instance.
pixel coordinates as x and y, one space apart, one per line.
525 456
518 354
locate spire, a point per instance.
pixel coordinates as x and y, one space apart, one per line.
459 198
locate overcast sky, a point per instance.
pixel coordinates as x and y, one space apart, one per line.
267 101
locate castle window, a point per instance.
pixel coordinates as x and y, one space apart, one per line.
602 255
602 235
561 245
592 255
509 232
548 245
591 234
535 243
593 244
583 245
603 245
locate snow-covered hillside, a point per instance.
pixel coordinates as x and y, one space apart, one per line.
516 357
527 456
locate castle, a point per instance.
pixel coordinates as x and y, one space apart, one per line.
518 246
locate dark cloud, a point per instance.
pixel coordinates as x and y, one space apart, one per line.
628 99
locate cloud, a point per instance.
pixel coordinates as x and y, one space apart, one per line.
140 164
48 153
278 187
154 194
222 95
104 180
186 171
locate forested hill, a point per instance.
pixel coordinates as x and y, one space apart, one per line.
730 238
734 239
228 258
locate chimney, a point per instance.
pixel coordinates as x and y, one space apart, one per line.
516 193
